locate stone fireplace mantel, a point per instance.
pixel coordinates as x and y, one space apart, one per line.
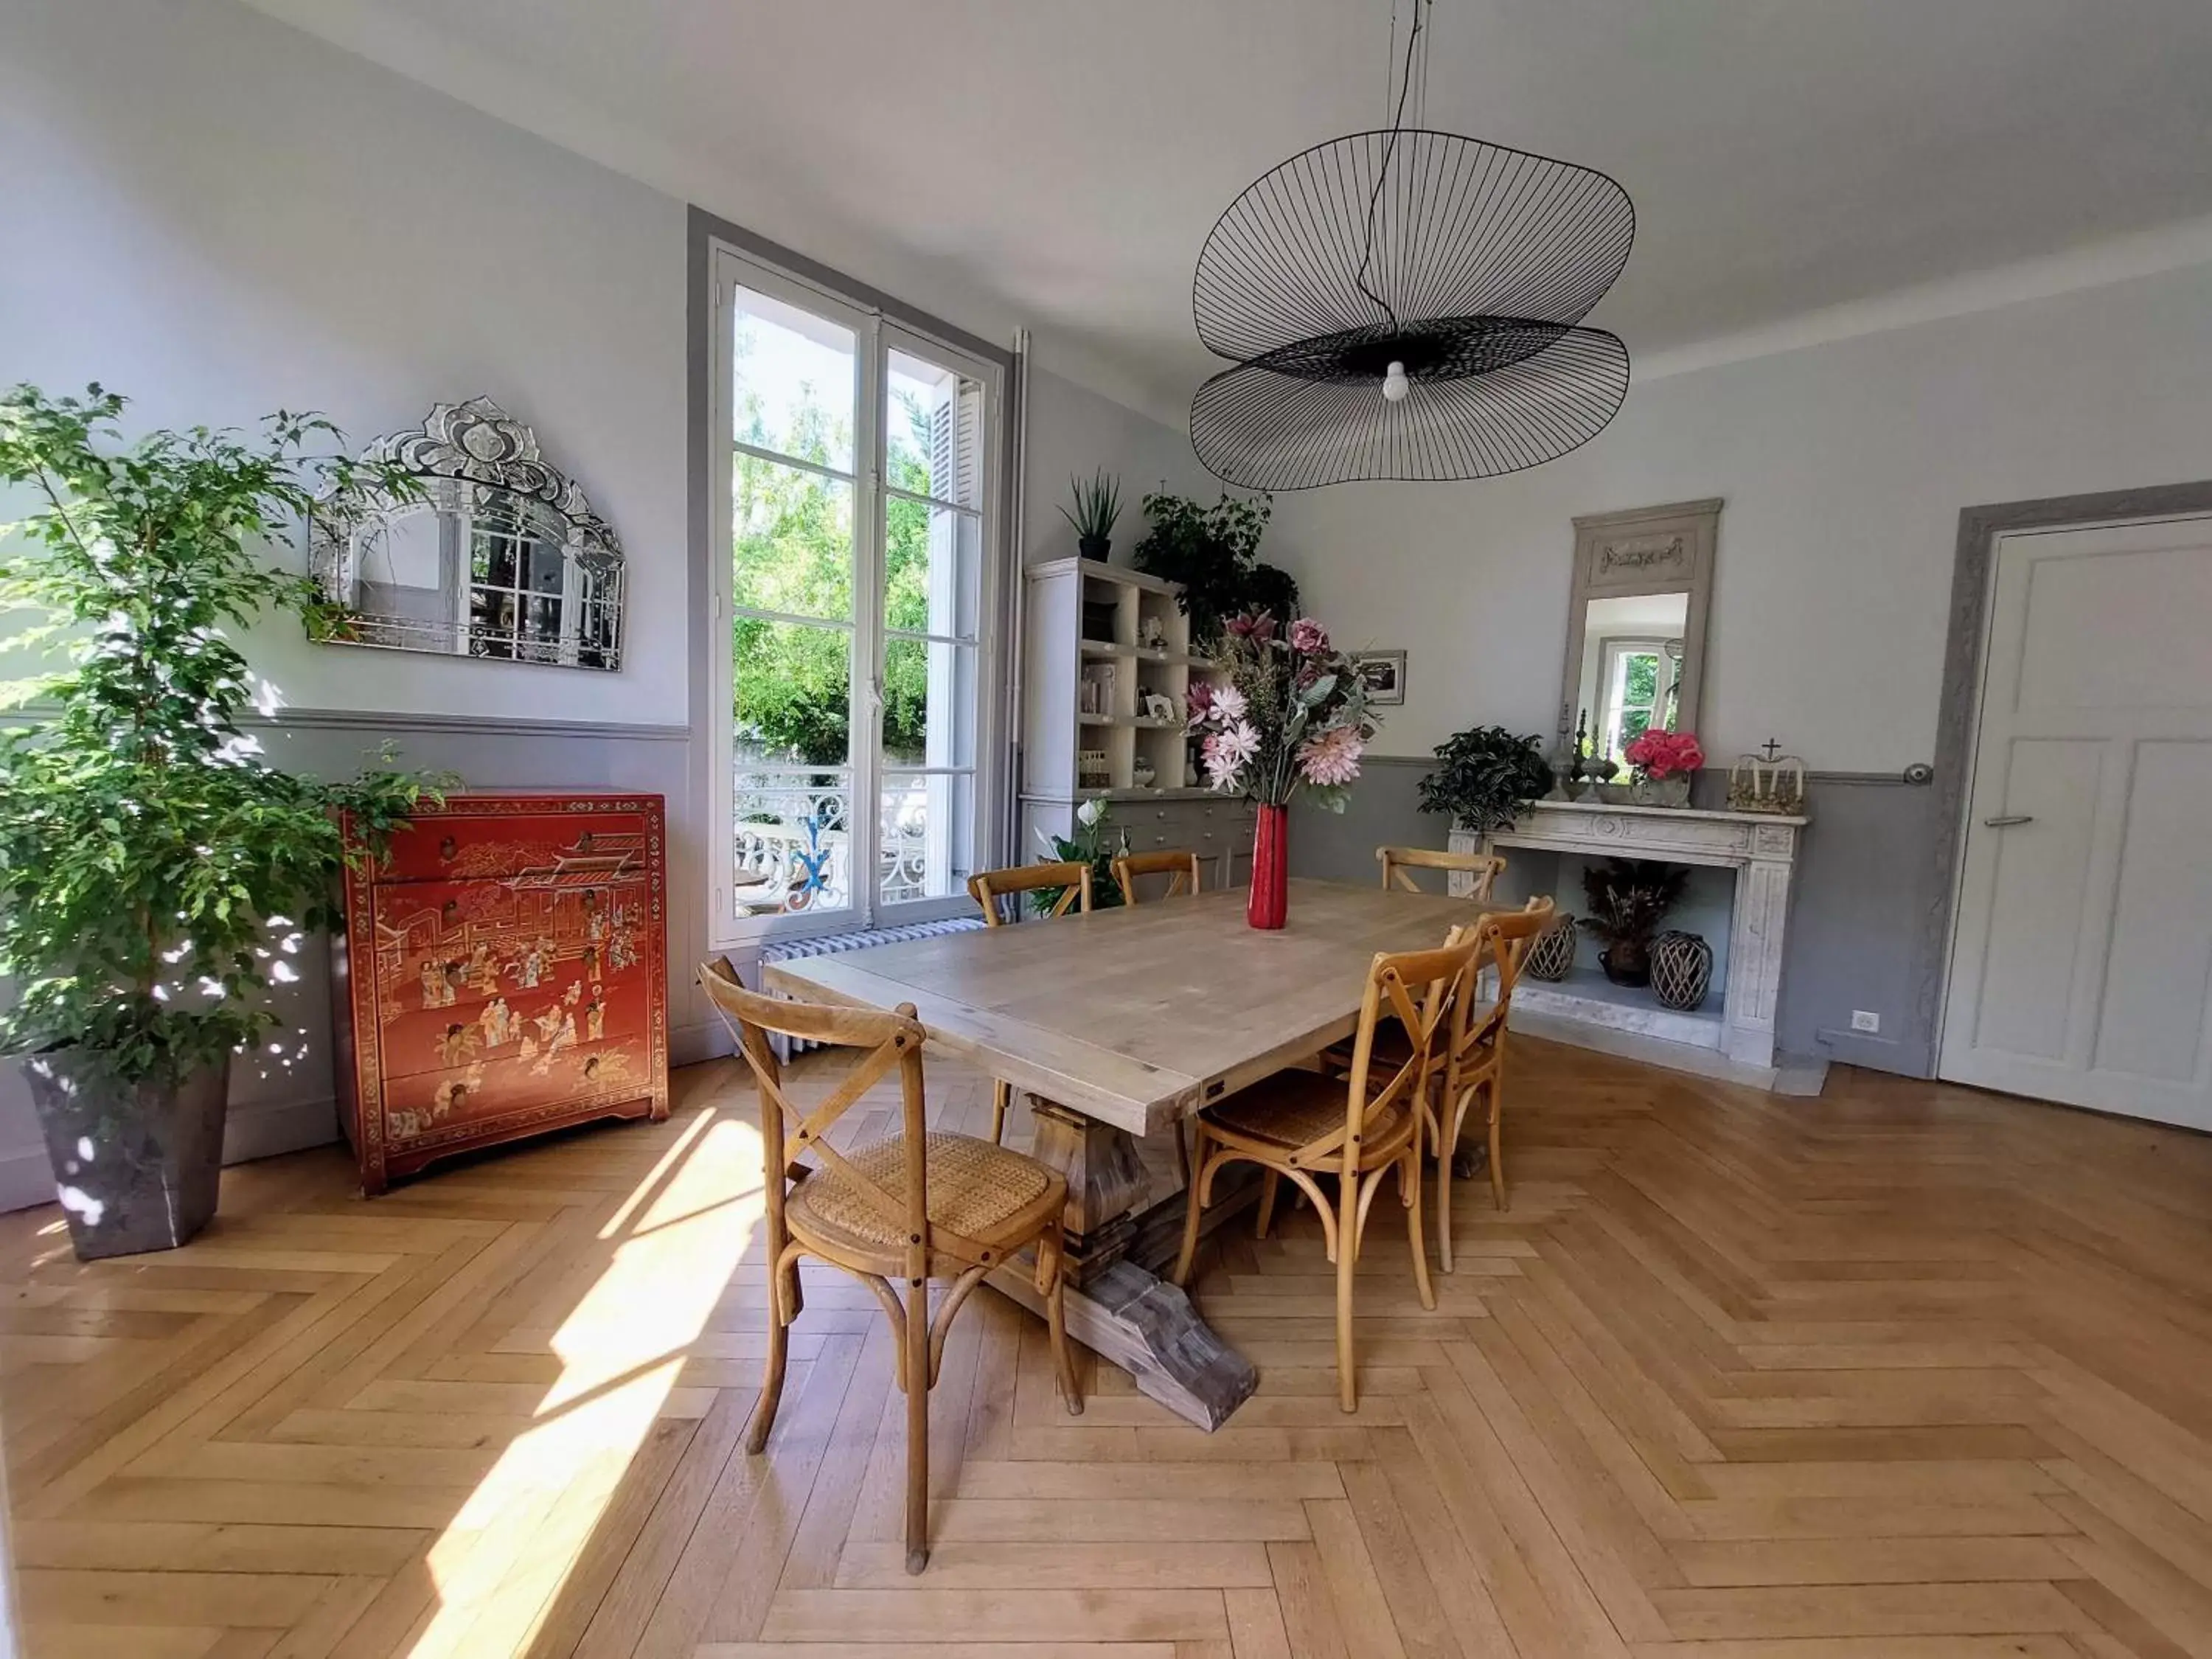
1737 1041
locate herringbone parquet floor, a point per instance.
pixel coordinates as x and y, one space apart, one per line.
1906 1371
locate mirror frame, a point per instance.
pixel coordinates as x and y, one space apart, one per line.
474 442
1645 549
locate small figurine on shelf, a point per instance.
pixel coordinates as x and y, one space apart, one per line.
1769 782
1141 770
1152 632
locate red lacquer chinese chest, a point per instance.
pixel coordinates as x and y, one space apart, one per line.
503 972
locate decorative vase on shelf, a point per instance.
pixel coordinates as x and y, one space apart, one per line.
1681 967
1551 956
1665 761
1142 772
1661 791
1627 961
1268 905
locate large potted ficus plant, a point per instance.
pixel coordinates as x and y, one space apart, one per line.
1484 778
152 866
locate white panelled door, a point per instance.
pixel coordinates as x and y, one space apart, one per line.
2082 968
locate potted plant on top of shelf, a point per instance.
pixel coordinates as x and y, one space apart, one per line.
1098 510
1486 779
156 872
1211 553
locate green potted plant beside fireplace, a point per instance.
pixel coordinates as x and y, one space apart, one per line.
154 870
1485 778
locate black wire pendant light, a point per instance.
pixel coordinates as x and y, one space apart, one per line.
1406 305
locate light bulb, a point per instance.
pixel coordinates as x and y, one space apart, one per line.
1395 385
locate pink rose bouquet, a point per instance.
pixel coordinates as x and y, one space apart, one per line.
1661 754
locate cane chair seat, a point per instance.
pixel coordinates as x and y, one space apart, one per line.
979 1192
1291 1110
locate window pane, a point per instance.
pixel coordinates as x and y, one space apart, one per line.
791 535
926 837
792 693
933 432
929 703
794 840
791 381
933 568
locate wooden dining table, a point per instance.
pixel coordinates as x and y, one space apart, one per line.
1118 1025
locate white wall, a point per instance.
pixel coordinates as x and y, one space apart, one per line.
1072 431
230 216
1844 466
218 215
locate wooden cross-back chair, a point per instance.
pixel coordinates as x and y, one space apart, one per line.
1472 1051
1303 1126
1179 866
880 1212
1467 1059
1399 864
988 888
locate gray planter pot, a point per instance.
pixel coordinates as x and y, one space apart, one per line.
135 1169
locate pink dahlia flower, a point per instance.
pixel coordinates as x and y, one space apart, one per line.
1253 625
1308 637
1333 757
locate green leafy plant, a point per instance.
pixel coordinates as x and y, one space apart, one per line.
1486 777
152 865
1213 553
1093 843
1098 508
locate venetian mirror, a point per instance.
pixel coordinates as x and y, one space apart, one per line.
496 556
1635 625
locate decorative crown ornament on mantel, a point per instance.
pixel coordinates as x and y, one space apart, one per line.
1768 781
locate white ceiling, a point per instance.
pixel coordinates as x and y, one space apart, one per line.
1060 163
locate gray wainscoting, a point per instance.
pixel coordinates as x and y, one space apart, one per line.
1860 901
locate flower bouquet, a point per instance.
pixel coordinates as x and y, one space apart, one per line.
1292 715
1664 763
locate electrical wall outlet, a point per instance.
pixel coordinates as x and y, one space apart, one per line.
1863 1020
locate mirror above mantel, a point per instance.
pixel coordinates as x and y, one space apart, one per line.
1636 623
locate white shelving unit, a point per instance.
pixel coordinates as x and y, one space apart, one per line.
1082 623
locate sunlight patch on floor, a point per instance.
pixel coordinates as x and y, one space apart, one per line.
499 1565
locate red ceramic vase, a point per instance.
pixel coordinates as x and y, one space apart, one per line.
1269 901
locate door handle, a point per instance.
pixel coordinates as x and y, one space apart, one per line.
2008 820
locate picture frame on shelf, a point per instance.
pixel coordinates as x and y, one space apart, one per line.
1385 674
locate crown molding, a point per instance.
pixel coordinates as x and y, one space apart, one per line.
2092 265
